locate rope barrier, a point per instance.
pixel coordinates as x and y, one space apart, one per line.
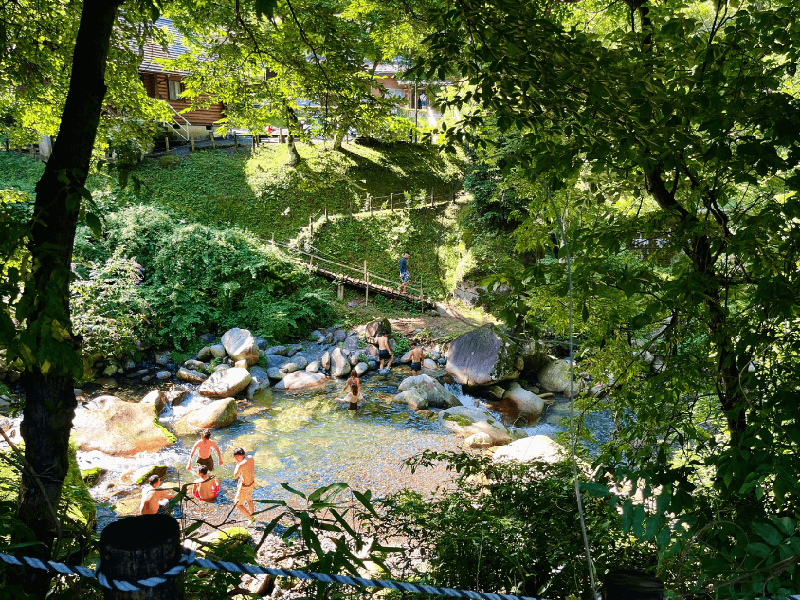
189 559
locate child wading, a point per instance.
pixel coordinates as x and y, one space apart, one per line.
404 274
417 356
151 496
203 447
205 487
384 350
245 472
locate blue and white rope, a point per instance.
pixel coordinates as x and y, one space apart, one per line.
189 559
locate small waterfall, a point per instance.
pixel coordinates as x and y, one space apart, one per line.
466 399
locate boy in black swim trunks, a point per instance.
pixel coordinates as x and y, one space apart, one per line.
417 356
384 351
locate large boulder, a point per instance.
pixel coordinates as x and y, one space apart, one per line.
313 366
376 328
218 351
340 363
240 344
157 399
119 428
479 441
467 421
412 398
301 380
225 384
275 373
300 360
429 364
529 405
259 380
213 415
361 368
554 376
406 358
339 335
537 447
276 360
433 391
482 357
290 367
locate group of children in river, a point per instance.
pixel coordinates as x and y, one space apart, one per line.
353 383
206 487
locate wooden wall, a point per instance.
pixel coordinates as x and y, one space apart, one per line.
156 86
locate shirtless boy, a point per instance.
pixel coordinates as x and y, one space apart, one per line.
245 473
205 487
417 356
203 448
384 351
151 496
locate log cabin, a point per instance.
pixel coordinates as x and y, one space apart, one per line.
166 83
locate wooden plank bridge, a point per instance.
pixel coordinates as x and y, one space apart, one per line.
363 279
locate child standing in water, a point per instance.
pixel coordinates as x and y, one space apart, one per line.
245 472
203 447
353 396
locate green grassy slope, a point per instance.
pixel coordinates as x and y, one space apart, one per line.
262 195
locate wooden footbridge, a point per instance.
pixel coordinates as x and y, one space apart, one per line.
357 278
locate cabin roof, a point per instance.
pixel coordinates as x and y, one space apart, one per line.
153 50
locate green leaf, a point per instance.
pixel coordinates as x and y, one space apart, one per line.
767 533
290 489
598 490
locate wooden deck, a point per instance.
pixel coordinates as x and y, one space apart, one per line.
383 290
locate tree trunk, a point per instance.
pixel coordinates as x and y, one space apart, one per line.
293 124
50 401
337 140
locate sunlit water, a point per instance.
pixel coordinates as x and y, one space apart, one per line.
310 439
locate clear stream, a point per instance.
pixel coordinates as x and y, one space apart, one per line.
307 440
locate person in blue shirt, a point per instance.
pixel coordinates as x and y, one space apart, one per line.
404 275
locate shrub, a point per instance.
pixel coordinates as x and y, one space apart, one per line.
508 528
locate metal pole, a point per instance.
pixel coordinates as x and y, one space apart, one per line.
416 111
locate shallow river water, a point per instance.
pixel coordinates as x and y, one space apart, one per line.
307 440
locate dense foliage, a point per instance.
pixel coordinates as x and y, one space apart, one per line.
508 527
664 137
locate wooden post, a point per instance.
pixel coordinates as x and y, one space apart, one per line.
191 141
366 288
253 140
370 206
139 548
213 142
340 292
391 202
166 141
310 228
351 208
235 142
632 585
311 261
431 198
